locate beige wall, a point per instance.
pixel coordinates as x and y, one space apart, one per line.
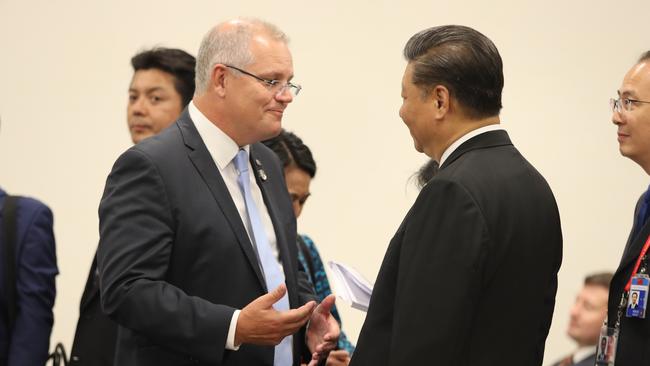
64 71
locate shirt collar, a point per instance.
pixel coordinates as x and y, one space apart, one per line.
583 352
220 146
465 137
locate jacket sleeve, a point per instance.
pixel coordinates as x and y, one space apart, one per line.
36 271
441 264
136 243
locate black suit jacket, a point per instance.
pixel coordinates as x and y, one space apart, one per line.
174 258
471 274
96 333
634 337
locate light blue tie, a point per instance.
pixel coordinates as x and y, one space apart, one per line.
270 266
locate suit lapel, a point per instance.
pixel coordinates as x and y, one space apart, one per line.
484 140
202 161
635 243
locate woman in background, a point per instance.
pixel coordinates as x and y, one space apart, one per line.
299 170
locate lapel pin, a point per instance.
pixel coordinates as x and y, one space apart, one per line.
262 174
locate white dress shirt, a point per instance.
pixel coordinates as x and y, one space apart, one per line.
223 150
466 137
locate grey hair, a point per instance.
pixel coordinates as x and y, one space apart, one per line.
230 47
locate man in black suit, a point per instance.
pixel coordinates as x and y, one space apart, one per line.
197 257
471 274
161 86
631 115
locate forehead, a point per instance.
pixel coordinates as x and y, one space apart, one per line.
636 82
151 79
595 292
270 54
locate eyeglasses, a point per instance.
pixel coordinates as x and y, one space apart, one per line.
620 104
274 86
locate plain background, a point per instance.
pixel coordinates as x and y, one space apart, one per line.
64 74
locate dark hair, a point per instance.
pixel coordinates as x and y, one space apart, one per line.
602 279
463 60
426 173
173 61
645 56
291 150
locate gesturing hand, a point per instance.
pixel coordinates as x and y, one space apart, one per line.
259 323
323 331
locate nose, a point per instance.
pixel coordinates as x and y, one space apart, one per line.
574 310
297 208
284 95
138 107
616 118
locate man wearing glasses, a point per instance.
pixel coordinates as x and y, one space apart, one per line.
631 115
197 257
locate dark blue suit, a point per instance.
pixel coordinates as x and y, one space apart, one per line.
35 272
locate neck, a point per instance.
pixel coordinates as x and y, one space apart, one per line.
459 129
205 103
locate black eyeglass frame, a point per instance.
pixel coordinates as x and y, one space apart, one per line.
294 89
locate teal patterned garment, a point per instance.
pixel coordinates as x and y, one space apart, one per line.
318 277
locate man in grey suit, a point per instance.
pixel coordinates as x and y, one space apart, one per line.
586 318
470 276
197 254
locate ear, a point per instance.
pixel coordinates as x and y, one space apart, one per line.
440 98
218 79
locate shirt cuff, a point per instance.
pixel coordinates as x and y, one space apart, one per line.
230 341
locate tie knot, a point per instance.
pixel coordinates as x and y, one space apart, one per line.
241 161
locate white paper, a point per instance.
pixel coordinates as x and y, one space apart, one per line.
351 286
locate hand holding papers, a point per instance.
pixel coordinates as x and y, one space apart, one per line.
351 286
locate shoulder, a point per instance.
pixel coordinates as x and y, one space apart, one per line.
31 208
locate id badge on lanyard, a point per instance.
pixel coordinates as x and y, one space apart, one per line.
637 296
607 343
633 304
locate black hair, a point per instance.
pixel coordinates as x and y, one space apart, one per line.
291 150
645 56
464 61
173 61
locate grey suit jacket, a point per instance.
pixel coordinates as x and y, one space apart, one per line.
174 257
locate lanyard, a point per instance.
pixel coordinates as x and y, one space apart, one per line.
638 262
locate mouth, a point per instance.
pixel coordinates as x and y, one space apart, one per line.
277 112
139 127
622 136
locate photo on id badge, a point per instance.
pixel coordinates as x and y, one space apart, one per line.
638 296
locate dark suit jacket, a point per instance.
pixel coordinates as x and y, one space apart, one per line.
634 337
35 285
96 334
174 257
471 274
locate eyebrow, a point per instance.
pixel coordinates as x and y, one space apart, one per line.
150 90
626 94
